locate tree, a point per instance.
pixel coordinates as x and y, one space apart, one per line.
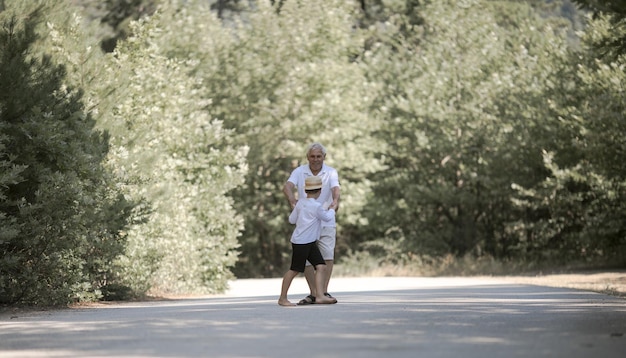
118 14
581 201
183 157
282 80
612 43
171 155
65 216
463 100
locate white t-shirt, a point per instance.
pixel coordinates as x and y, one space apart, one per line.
308 215
330 179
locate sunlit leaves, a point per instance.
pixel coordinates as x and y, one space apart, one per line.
463 99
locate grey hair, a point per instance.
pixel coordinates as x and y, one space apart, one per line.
314 146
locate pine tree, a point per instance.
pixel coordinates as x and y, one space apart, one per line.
65 214
613 42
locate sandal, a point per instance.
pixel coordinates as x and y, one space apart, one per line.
308 300
331 297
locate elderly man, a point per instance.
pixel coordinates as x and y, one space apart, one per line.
316 154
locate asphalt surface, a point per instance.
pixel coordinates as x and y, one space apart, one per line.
375 317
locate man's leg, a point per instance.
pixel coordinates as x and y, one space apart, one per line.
320 298
316 258
326 244
327 273
309 274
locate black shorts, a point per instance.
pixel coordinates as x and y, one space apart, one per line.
303 252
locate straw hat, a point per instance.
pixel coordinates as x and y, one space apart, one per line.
312 183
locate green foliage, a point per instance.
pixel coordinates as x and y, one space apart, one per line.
282 80
502 140
171 156
179 160
164 151
471 133
118 14
63 212
464 108
579 208
611 42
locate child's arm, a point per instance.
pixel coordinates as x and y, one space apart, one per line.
325 215
293 217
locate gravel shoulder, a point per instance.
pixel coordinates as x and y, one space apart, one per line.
611 283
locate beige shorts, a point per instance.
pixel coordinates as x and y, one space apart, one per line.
326 243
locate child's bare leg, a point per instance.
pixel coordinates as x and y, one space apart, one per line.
320 274
287 279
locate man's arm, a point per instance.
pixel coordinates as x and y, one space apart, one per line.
336 191
288 190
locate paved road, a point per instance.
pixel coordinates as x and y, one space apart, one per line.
375 317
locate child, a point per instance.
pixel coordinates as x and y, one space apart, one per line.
308 215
